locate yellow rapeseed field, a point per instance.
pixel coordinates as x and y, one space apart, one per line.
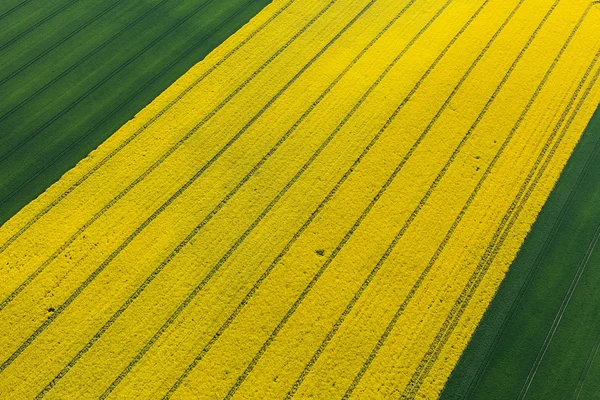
323 207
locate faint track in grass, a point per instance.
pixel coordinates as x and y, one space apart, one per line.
94 87
557 319
15 8
36 25
55 45
586 368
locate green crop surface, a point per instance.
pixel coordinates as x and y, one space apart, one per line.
73 71
540 337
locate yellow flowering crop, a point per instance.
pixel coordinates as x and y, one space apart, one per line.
323 207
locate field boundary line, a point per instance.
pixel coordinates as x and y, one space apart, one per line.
476 280
41 22
140 130
96 86
472 290
447 328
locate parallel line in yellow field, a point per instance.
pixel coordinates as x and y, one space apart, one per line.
440 249
150 122
327 317
98 335
60 309
241 239
224 201
558 220
494 247
330 195
323 268
407 224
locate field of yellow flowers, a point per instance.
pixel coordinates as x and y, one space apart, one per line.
322 207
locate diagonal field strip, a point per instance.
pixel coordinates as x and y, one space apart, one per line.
375 199
147 222
453 318
478 278
493 250
268 257
248 231
229 196
515 216
438 252
144 127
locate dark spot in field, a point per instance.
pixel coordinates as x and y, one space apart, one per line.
320 252
477 169
51 309
477 157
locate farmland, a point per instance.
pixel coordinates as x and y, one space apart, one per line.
73 72
544 321
323 207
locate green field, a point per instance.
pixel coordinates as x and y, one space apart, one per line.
73 71
540 337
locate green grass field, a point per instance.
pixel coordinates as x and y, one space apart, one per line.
73 71
539 338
